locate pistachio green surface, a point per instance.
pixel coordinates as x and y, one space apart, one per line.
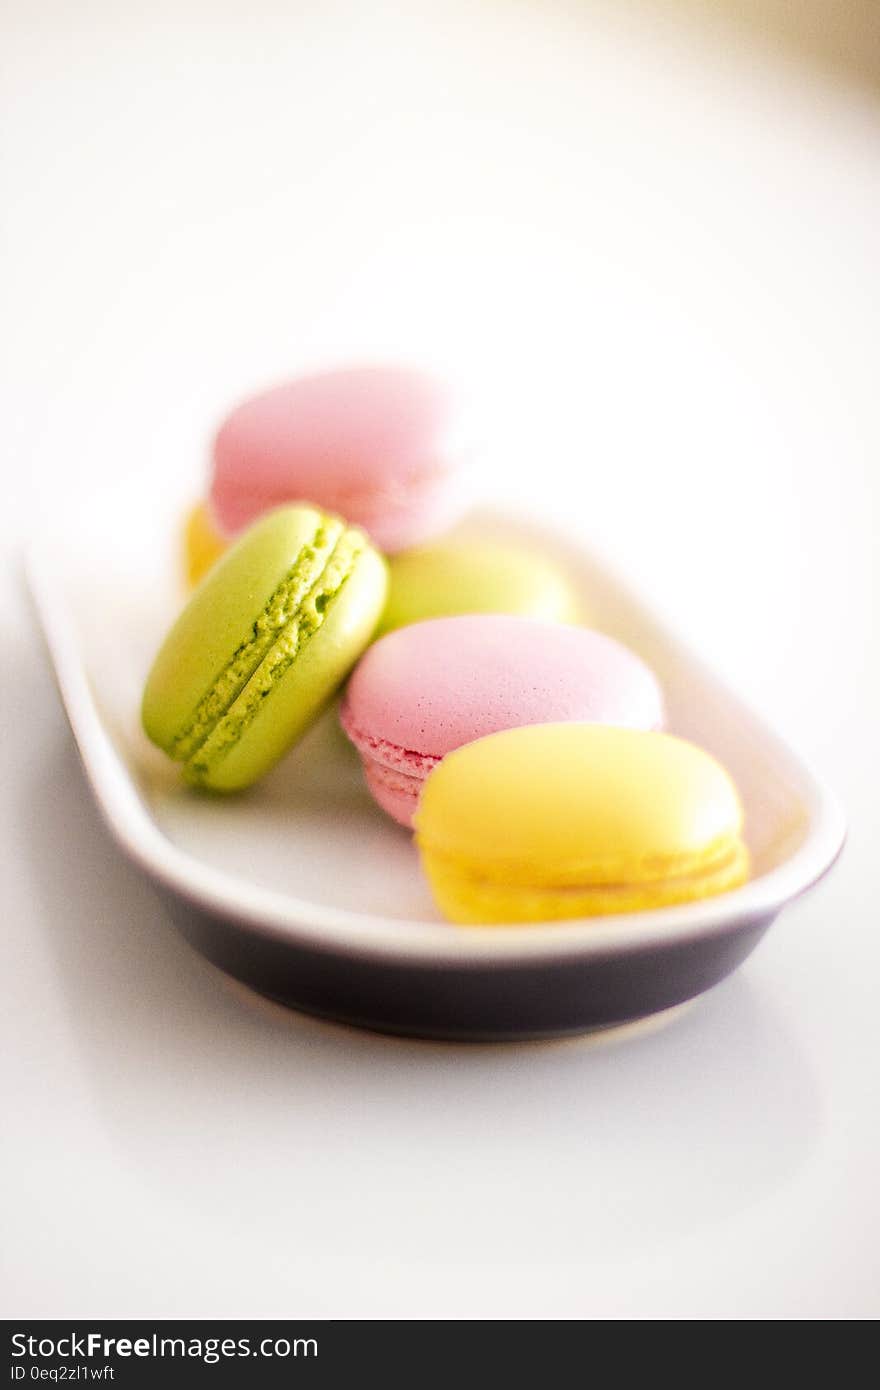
262 645
453 577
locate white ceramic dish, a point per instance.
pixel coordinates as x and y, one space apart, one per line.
304 890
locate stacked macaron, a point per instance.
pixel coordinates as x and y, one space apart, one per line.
526 749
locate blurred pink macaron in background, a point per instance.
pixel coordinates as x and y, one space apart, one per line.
381 446
426 689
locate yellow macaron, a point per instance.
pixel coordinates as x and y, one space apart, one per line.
554 821
202 543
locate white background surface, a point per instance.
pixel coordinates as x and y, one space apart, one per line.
655 262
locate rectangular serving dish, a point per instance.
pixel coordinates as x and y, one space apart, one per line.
305 891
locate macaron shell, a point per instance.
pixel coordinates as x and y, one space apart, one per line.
372 444
296 699
433 686
477 576
571 805
219 618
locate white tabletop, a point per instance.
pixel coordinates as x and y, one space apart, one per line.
655 263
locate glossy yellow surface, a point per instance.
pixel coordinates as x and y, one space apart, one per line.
570 820
202 543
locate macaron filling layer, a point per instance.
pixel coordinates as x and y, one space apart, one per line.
380 508
396 792
283 603
470 896
294 614
396 513
247 499
609 871
386 754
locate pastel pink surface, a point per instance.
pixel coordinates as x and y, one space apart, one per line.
423 690
373 444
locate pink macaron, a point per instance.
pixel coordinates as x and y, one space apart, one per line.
379 446
426 689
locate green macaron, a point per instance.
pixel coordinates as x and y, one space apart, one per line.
460 576
264 642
